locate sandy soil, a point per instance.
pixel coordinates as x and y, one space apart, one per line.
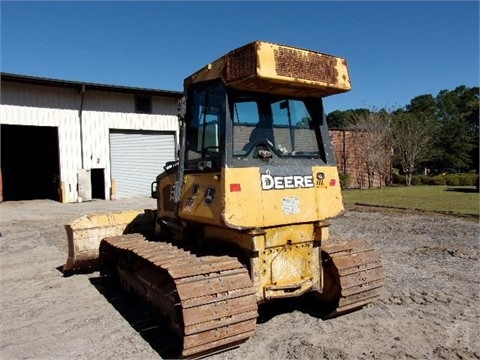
429 308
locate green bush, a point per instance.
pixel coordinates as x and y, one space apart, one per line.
432 180
452 180
439 180
345 180
426 180
467 179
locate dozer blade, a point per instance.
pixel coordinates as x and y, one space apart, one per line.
85 234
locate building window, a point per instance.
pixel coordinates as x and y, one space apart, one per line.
143 104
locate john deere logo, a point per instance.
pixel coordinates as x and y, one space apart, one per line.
270 182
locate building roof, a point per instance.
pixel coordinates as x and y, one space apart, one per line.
33 80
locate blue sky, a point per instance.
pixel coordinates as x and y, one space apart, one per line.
395 50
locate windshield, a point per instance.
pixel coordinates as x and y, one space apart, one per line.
282 124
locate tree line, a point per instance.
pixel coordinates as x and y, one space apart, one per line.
431 134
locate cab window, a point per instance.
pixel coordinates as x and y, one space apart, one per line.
206 128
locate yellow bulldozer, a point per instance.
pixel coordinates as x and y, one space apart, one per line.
241 216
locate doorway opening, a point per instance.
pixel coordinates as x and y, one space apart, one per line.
30 162
98 183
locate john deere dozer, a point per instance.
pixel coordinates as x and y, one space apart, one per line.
241 216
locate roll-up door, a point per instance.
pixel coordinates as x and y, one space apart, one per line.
136 158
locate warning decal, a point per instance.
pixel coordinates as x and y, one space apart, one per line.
291 205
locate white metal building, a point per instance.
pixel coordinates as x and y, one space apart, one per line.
71 141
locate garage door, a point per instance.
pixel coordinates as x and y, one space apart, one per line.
136 158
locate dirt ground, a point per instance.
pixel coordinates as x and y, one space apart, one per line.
429 308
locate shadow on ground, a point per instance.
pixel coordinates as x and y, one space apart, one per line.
154 329
462 190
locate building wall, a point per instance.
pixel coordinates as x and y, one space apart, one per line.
349 160
37 105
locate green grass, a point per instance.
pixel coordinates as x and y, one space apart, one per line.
460 200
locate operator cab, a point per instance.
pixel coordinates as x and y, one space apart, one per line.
231 128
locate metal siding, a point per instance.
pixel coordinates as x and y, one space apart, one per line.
165 105
108 102
36 105
37 96
125 103
137 158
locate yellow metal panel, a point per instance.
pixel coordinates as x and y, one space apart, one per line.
293 234
287 270
278 69
289 206
283 200
211 71
202 198
278 62
328 193
165 198
243 198
289 265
